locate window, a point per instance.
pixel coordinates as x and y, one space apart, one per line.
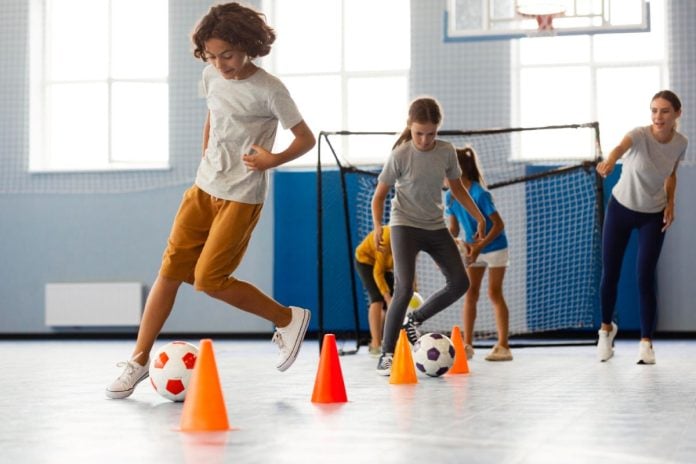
348 71
608 78
99 91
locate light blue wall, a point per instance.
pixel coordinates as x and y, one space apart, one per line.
65 234
49 237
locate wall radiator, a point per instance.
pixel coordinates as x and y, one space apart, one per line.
98 304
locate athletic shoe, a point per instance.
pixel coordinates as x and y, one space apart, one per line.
289 338
499 353
646 355
469 350
605 344
123 386
374 350
384 364
411 327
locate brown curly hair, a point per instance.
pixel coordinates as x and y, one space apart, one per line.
240 26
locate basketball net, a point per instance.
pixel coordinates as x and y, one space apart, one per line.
543 13
545 22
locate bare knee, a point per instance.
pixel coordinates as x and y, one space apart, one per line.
473 294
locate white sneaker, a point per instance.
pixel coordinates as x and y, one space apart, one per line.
289 338
605 344
469 350
123 386
646 355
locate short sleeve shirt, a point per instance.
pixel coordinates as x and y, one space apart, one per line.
484 201
242 113
418 178
646 166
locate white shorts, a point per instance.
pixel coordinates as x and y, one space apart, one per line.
497 258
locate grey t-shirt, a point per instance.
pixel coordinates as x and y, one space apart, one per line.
646 166
242 113
418 177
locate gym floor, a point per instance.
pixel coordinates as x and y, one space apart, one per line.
549 405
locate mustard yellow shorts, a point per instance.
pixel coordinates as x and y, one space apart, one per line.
208 240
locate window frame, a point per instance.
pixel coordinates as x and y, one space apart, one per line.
594 66
40 160
345 75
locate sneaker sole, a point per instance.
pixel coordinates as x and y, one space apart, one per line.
384 373
119 395
298 342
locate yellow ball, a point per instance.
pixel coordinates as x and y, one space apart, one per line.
416 301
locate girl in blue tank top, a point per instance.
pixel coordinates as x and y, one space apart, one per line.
490 252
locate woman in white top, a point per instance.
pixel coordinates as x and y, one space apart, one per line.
643 199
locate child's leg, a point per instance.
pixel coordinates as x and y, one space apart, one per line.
224 248
470 300
440 245
375 312
404 249
247 297
375 318
158 306
495 293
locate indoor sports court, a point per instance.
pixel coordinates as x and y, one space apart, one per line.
102 115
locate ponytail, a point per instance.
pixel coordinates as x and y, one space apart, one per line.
422 110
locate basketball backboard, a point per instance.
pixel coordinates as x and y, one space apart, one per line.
472 20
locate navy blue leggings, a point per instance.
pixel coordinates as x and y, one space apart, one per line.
618 224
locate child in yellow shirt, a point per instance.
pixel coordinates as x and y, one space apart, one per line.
375 269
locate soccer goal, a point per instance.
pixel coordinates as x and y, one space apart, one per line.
547 191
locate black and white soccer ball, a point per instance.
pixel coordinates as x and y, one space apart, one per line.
433 354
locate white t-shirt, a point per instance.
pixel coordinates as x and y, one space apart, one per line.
646 166
418 177
242 113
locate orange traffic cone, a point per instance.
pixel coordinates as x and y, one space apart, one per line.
460 365
403 370
204 407
328 385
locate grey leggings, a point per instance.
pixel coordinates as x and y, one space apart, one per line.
406 242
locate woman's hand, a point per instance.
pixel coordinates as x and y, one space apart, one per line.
668 216
604 168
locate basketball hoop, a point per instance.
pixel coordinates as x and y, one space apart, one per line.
542 12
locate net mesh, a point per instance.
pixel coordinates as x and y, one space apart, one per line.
552 214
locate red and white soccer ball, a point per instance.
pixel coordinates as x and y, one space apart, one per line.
433 354
171 368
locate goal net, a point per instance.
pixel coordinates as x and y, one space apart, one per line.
546 190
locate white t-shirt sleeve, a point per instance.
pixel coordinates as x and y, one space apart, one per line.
283 106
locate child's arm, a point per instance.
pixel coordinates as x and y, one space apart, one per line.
463 197
263 159
206 133
378 198
453 225
496 229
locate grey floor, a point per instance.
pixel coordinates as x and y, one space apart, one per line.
550 405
